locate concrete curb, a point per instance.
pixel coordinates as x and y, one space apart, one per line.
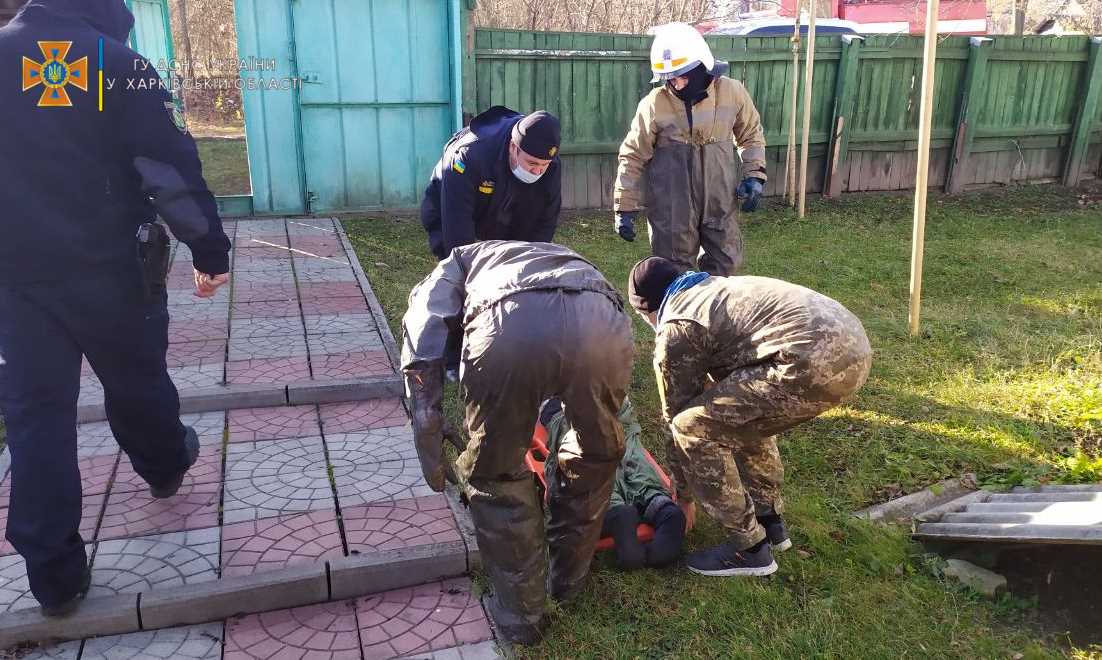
389 343
337 579
907 506
230 397
466 527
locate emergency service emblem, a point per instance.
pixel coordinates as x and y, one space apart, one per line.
55 74
175 109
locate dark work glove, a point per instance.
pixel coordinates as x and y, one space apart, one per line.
750 190
625 225
425 390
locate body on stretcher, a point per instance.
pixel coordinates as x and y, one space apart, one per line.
537 456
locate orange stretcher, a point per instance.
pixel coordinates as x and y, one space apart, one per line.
537 456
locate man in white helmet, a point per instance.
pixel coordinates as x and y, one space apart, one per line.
678 159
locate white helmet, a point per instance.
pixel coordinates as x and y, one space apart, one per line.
676 50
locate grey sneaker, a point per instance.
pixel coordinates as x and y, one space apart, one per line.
168 489
724 560
776 532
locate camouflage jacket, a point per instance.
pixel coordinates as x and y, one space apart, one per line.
477 276
794 335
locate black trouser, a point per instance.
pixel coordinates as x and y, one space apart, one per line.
45 328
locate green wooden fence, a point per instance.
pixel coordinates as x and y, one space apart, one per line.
1009 108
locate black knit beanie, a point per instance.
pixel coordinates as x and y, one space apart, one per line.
648 282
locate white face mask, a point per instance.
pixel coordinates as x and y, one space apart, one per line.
525 176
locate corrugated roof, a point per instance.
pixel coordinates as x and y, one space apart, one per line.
1048 514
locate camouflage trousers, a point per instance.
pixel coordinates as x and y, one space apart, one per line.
724 451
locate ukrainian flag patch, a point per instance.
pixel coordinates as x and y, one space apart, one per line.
459 166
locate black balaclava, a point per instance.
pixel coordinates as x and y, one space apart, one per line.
111 17
697 89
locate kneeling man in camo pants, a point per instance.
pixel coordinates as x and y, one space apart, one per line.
738 360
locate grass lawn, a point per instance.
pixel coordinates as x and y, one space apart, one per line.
225 165
1005 381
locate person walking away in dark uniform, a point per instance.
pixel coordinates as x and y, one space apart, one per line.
537 321
739 360
78 184
679 157
499 179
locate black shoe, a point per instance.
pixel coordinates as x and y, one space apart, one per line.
724 560
68 607
169 488
776 532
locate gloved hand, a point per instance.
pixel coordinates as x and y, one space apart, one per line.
425 389
625 225
750 190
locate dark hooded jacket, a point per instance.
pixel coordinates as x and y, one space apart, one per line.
474 196
76 182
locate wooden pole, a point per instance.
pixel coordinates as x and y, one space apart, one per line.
794 85
809 71
926 114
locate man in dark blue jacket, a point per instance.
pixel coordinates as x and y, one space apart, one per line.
76 182
499 179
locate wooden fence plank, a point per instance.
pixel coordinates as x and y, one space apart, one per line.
1080 137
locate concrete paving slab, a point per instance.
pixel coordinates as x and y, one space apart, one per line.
345 305
265 292
429 617
264 277
266 326
262 252
95 439
198 642
402 524
321 324
232 596
363 415
246 310
275 543
157 562
247 264
345 342
91 390
15 590
351 365
255 424
319 227
320 632
209 426
482 651
198 376
206 470
306 264
198 312
188 297
253 348
393 443
275 478
59 651
345 274
311 290
322 245
95 473
91 507
252 240
252 227
268 370
237 395
184 330
368 483
137 513
196 353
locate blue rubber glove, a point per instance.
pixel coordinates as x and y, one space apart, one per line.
625 225
750 190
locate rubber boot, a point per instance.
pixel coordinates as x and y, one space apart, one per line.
621 523
509 526
577 506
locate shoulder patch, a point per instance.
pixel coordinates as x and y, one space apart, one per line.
459 166
176 112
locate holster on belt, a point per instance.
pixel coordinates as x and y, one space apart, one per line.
154 257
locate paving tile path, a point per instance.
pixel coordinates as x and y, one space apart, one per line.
273 487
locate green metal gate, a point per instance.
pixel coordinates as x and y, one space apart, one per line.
152 34
378 95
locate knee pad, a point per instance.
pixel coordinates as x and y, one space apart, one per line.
621 523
